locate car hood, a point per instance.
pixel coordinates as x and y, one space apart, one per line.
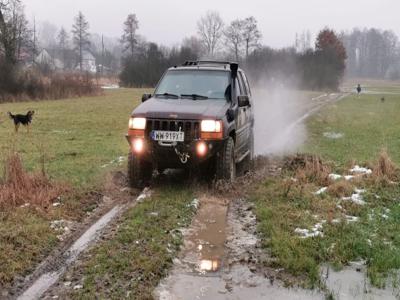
182 109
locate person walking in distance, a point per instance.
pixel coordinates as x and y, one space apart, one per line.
358 89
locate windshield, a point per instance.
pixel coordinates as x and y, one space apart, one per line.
195 84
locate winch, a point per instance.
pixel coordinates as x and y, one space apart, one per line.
182 156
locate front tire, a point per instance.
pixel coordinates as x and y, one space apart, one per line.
139 171
226 164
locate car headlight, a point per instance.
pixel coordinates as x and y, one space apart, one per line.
211 126
137 123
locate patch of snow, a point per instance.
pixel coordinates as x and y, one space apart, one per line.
25 205
360 170
320 191
334 176
314 232
78 287
67 283
195 204
119 160
356 197
146 193
55 204
110 87
348 177
351 219
333 135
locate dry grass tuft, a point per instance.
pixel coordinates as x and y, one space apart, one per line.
19 187
384 169
341 188
308 168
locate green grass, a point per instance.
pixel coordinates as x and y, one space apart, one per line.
373 238
282 205
25 239
367 124
131 264
76 136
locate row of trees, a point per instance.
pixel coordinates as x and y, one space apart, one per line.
315 68
20 71
319 68
372 53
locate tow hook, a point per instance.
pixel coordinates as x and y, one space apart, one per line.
182 156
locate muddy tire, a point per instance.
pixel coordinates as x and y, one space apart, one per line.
226 164
139 171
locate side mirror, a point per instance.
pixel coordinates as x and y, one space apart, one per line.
146 97
243 101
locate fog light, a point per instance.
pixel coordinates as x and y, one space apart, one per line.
201 148
137 145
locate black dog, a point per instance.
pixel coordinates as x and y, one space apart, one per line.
22 119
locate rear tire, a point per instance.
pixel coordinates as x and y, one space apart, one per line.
226 164
139 171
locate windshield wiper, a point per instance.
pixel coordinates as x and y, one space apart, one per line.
168 95
194 96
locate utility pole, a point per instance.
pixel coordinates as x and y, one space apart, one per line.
34 41
102 55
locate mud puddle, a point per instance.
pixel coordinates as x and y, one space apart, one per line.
352 283
204 243
220 258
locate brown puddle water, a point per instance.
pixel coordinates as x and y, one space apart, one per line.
204 242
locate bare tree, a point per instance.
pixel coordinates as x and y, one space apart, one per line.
129 37
234 36
251 34
210 30
194 44
63 43
81 36
13 30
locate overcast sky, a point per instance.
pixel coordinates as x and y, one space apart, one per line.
169 21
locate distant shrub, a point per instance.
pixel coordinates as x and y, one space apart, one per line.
19 85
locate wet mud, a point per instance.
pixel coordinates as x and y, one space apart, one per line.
228 266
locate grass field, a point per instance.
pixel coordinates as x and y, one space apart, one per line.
367 126
350 231
81 140
77 137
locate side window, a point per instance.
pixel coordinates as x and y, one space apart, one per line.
243 87
246 83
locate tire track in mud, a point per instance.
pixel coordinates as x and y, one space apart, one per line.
56 264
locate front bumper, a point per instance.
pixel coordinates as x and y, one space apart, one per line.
169 155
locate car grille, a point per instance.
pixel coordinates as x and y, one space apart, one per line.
190 127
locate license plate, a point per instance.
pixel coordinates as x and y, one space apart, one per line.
168 136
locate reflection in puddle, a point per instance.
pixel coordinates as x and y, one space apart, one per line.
209 265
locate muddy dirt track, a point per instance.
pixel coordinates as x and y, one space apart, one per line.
221 255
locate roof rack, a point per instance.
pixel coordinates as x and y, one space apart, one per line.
208 62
